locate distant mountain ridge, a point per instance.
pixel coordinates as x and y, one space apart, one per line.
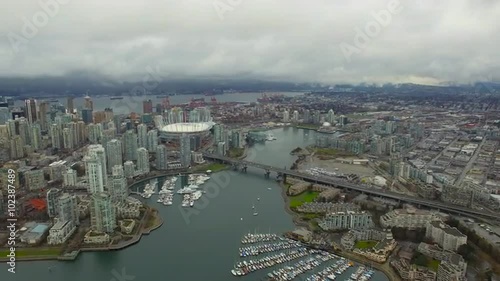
79 85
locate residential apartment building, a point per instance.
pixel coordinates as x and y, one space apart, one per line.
347 220
449 238
408 218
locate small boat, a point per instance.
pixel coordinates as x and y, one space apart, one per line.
253 206
268 188
241 219
255 214
258 199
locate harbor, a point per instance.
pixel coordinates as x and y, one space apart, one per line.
213 227
190 193
284 259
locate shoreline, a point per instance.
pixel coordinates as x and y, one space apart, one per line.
74 255
392 276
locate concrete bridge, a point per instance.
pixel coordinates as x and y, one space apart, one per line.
242 165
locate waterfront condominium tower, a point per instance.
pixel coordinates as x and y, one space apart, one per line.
118 190
95 164
102 213
130 145
31 112
142 135
142 160
52 198
114 153
99 152
152 140
71 105
68 209
185 151
161 157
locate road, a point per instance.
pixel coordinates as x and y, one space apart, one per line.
441 206
441 153
469 164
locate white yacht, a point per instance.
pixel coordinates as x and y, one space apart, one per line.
185 190
196 195
270 137
186 200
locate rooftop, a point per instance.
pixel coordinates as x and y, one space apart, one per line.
446 228
187 127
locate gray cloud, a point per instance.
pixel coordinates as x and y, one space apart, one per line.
295 40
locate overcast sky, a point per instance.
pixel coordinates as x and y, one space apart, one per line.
294 40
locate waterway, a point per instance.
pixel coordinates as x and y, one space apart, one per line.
134 103
199 243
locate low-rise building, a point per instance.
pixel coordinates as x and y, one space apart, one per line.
452 269
61 232
126 210
93 237
380 252
302 234
412 272
84 208
348 240
127 226
347 220
34 233
436 252
408 218
449 238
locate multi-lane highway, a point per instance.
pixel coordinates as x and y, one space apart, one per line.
442 206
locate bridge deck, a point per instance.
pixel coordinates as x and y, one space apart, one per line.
345 184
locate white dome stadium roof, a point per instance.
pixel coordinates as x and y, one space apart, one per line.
187 127
326 124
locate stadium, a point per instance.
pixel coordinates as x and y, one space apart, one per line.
187 128
176 123
198 133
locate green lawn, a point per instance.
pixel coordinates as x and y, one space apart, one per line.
215 167
236 152
365 244
310 216
33 252
433 264
422 260
308 196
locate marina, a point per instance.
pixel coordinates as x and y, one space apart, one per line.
291 272
329 272
270 250
257 238
246 267
190 193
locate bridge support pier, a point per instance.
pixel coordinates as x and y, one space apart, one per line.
267 174
244 169
235 167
